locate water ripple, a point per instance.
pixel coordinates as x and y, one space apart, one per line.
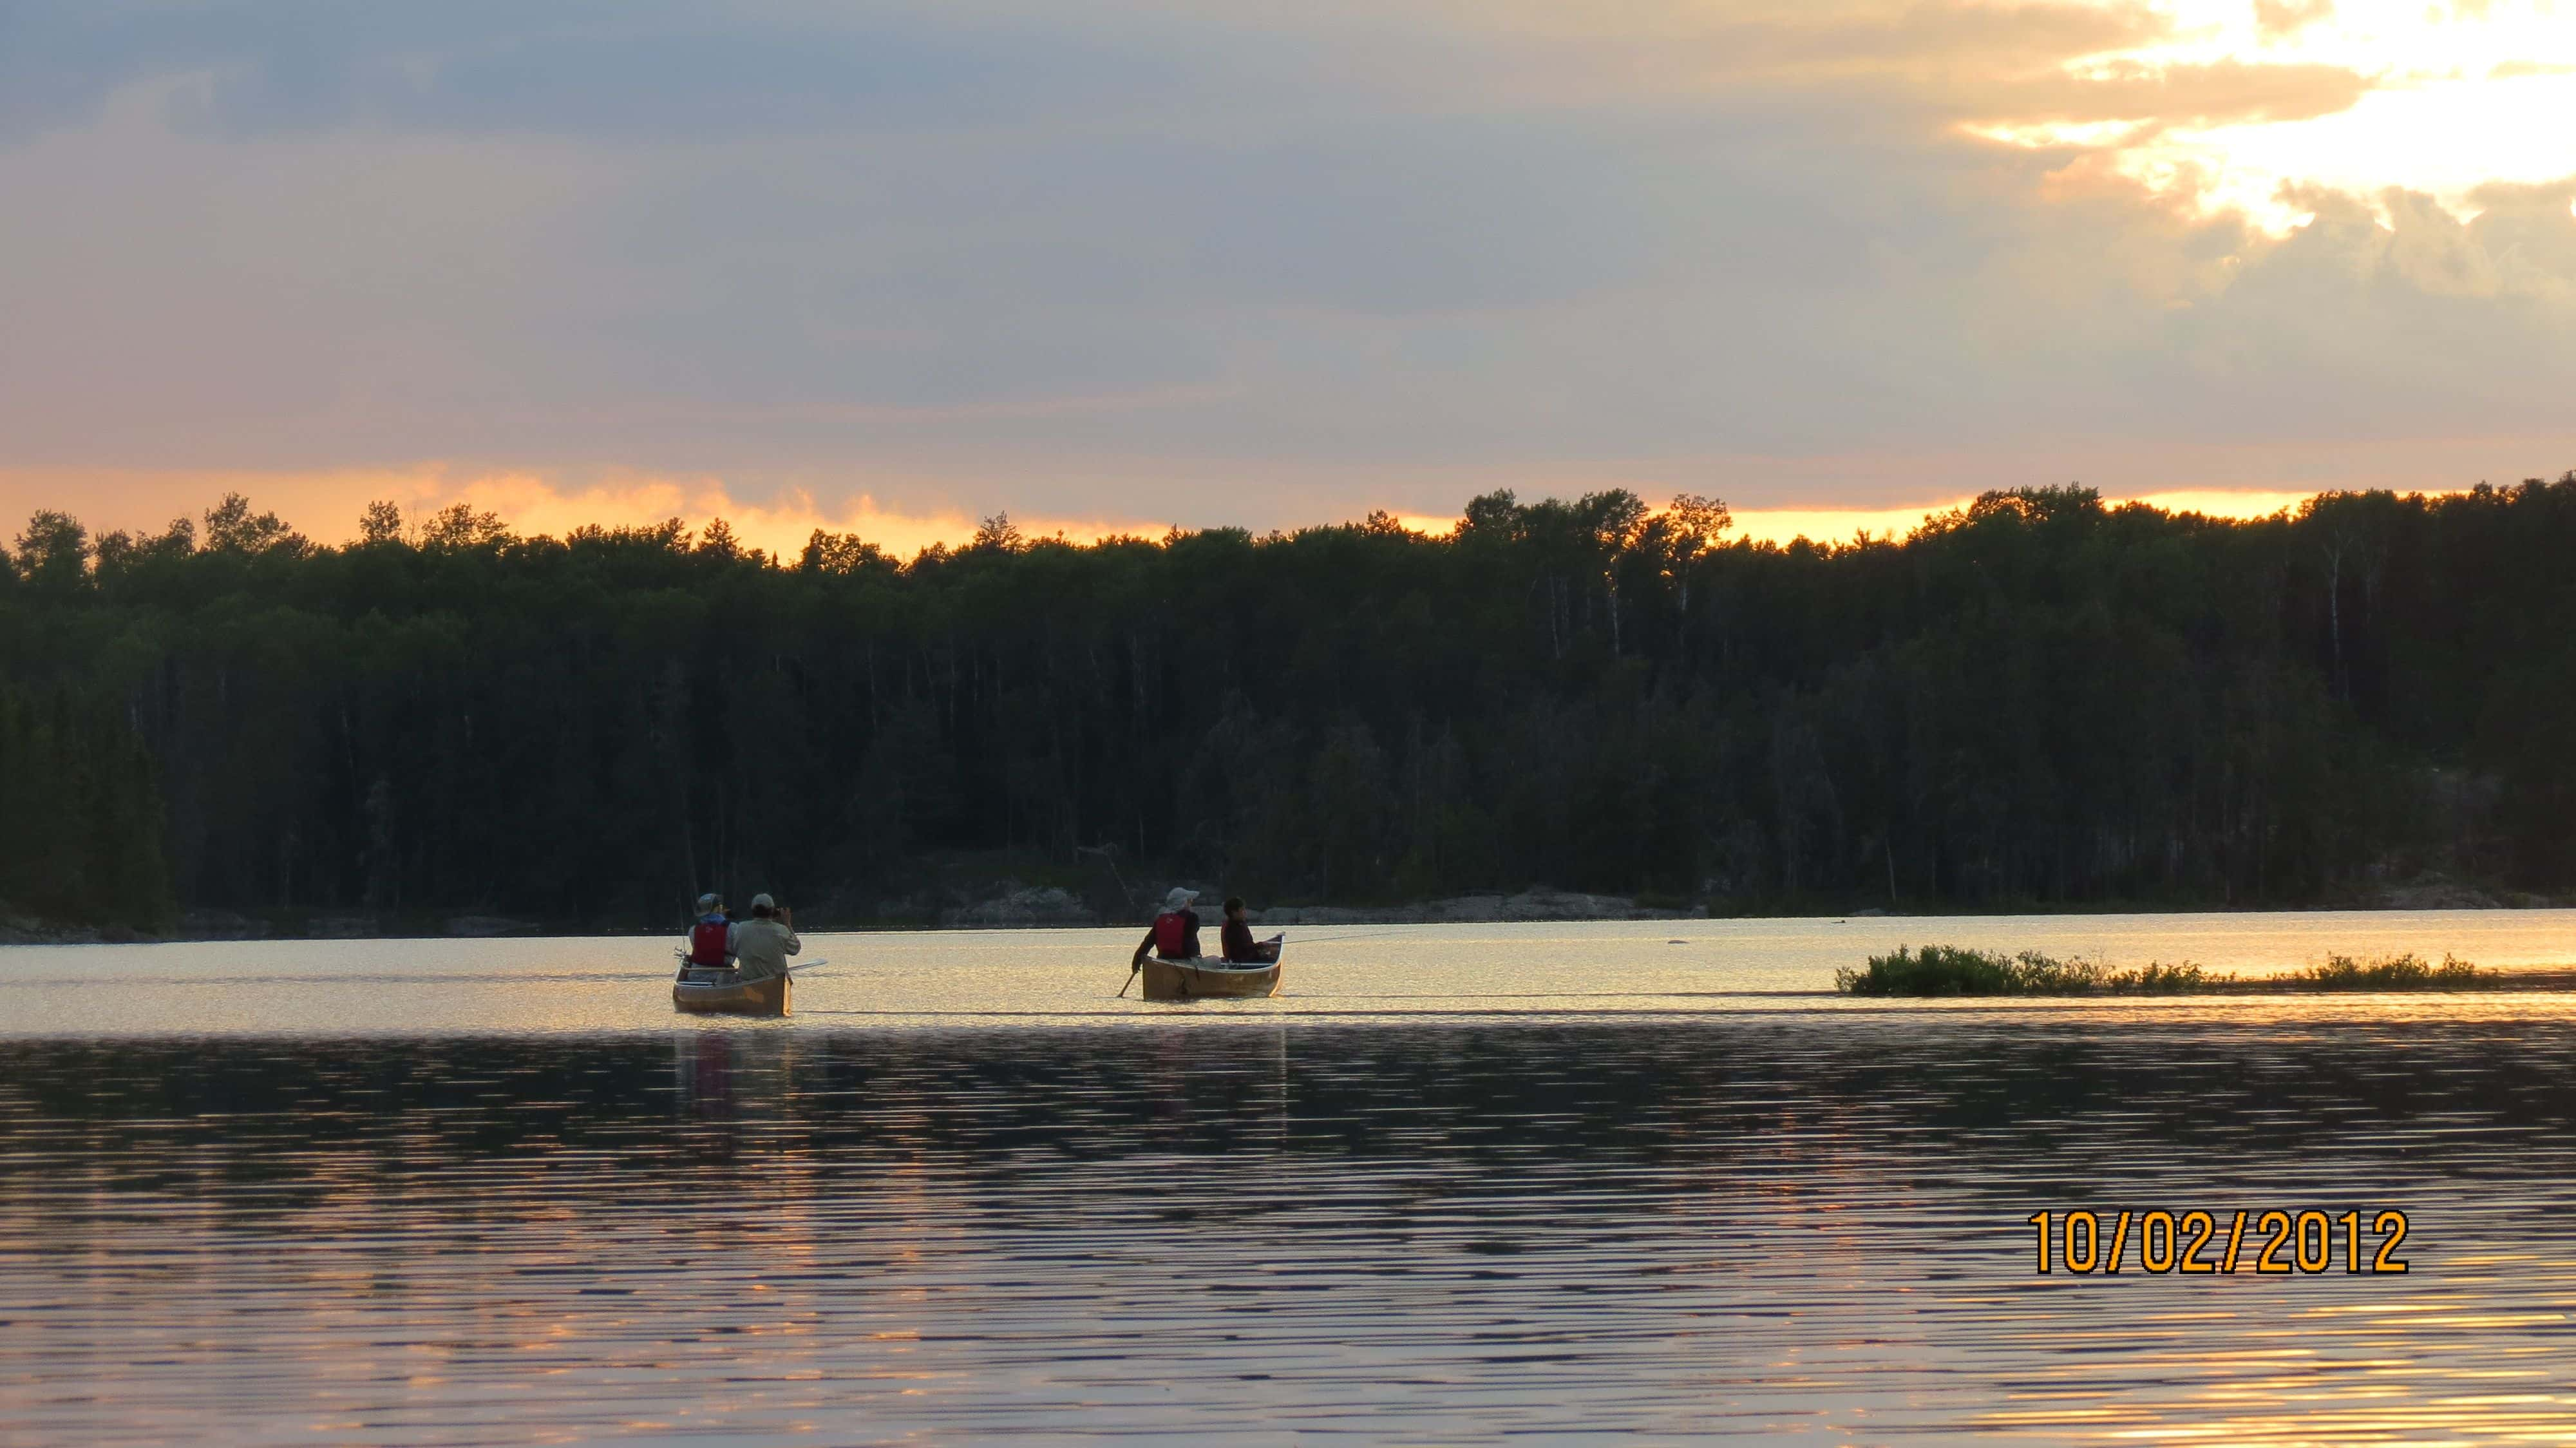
1806 1226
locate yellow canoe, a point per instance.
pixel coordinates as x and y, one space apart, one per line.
733 998
1203 979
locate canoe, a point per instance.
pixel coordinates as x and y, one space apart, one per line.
1203 979
729 997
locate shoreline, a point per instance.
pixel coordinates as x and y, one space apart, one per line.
2492 980
1052 909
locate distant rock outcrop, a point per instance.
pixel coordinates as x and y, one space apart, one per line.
1021 906
220 925
1474 910
343 927
485 927
28 930
2435 892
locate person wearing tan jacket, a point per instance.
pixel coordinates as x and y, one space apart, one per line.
762 944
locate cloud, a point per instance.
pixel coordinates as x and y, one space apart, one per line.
2276 18
2063 105
1266 263
637 70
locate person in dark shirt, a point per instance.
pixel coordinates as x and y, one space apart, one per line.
1236 938
1174 935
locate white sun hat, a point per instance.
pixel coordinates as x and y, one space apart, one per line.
1181 895
762 901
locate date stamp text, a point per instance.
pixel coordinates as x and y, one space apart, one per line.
2274 1243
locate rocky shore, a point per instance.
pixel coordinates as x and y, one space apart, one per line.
226 925
1027 907
1476 910
1008 904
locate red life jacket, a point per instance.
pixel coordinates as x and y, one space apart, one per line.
1171 935
707 944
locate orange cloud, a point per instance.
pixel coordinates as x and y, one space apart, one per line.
2230 105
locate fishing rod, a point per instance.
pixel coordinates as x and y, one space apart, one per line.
791 970
1329 939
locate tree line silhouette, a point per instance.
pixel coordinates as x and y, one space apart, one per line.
2035 699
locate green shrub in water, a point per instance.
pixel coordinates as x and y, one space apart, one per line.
2181 979
2393 972
1937 970
1954 970
1951 970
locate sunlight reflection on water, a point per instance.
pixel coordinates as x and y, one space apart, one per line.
1703 1214
1055 977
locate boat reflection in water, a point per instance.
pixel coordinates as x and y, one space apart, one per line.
724 1074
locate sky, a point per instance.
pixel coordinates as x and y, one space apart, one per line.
1118 265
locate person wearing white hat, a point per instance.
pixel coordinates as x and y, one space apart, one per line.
1174 935
762 944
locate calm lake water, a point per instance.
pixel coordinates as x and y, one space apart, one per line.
1600 1181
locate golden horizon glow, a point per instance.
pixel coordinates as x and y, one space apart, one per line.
323 505
530 504
1846 525
2457 96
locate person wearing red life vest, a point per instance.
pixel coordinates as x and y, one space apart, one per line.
1174 934
711 937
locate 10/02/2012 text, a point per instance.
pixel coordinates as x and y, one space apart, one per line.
2282 1242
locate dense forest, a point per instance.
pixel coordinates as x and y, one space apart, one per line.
2036 699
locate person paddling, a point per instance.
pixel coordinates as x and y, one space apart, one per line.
764 942
1174 934
711 937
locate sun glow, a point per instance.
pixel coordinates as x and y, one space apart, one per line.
2451 97
1846 525
324 504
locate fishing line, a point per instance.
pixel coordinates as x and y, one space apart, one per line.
1329 939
